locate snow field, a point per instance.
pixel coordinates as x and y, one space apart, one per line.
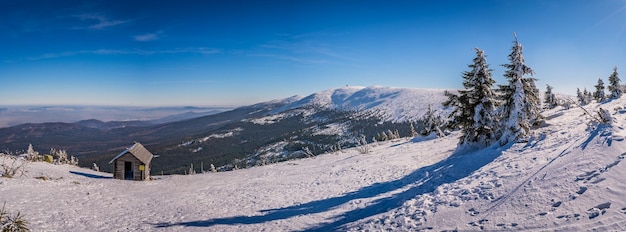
293 195
569 177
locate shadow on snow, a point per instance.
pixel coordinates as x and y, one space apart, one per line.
423 180
602 130
91 175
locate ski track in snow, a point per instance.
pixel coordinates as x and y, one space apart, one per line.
568 177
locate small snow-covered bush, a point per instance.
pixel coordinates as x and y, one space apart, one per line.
32 155
12 223
566 104
605 116
363 148
61 157
11 166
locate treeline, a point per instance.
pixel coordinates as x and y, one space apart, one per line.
486 114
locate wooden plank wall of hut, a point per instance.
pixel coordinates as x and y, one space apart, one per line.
119 166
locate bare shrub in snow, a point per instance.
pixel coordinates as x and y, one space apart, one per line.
12 166
10 222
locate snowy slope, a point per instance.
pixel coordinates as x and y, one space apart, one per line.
569 177
392 104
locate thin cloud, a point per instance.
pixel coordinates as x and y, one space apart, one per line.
198 50
147 37
182 82
307 51
290 58
101 22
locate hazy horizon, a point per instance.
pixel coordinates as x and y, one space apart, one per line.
16 115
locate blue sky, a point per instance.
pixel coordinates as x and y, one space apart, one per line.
151 53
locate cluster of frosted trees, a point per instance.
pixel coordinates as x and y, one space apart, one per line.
506 114
485 114
615 90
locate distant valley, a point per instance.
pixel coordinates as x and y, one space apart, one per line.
15 115
254 135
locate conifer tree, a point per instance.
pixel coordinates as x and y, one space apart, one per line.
480 128
432 123
520 109
580 96
588 96
615 88
412 129
599 93
533 99
459 112
550 99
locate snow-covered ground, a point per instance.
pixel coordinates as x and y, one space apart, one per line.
568 177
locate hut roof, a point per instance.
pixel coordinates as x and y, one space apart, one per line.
137 150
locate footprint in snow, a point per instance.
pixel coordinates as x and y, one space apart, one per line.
472 212
598 210
507 225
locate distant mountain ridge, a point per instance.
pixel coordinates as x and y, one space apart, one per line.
265 132
392 104
16 115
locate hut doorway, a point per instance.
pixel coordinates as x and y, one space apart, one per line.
128 171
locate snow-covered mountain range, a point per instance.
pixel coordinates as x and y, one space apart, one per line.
266 132
391 104
568 177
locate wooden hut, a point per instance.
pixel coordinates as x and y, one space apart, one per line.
132 163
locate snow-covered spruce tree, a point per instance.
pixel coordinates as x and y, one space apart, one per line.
599 95
412 129
31 154
520 109
477 122
432 123
458 102
588 96
550 99
534 99
580 96
615 88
